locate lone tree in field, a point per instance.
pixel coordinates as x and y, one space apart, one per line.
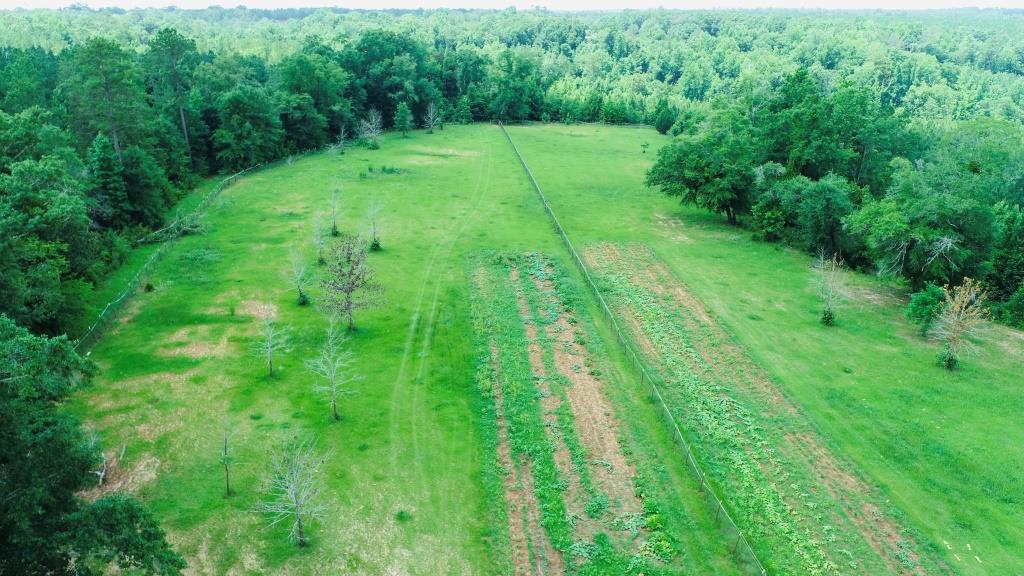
334 367
962 313
226 459
299 277
349 283
293 489
318 239
403 119
431 118
829 280
335 198
375 245
370 129
273 339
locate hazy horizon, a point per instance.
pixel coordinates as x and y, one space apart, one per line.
555 5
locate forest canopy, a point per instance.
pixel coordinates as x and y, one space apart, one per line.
892 139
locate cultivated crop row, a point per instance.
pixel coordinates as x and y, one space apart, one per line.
559 480
797 502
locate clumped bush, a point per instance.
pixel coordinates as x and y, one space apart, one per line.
925 306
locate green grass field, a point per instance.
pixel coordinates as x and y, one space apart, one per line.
413 482
944 448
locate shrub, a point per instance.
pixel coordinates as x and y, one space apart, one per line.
1013 311
925 306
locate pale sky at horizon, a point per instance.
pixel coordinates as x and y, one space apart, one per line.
523 4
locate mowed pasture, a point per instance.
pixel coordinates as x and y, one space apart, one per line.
496 428
945 450
412 466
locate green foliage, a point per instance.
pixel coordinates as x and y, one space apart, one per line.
106 184
104 93
48 247
48 459
925 306
250 128
403 119
664 117
713 169
516 94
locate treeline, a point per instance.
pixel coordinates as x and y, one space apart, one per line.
108 116
835 170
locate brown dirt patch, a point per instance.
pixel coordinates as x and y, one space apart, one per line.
596 425
258 309
574 496
195 342
119 479
521 505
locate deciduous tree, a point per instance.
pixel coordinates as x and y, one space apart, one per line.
348 282
292 495
272 338
370 129
829 270
962 314
334 367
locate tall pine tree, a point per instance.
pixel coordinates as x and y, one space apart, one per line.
107 192
403 119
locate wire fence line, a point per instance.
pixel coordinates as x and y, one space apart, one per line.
741 549
169 233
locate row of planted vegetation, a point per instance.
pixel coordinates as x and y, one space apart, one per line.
804 509
564 490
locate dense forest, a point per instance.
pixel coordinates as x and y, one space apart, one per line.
895 141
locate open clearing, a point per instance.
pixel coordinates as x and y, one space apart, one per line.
497 429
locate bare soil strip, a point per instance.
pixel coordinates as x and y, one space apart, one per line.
574 496
595 421
532 553
520 503
722 360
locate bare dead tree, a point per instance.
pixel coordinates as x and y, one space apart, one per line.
349 283
829 270
962 313
226 459
334 366
431 118
273 338
293 489
342 142
335 198
375 244
299 277
371 128
106 463
318 239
